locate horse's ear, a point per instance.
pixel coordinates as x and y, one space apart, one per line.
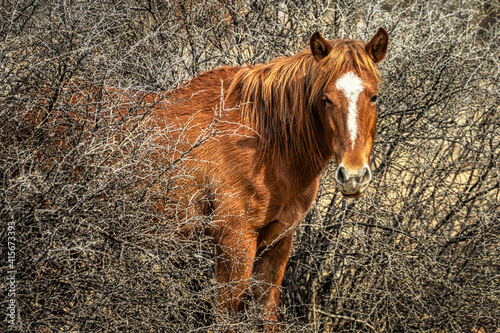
377 47
319 46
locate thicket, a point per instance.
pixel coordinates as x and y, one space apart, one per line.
419 253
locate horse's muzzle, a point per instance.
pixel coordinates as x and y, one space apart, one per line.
353 183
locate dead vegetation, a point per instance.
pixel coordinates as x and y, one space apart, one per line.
419 253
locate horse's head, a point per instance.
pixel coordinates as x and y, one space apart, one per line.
346 95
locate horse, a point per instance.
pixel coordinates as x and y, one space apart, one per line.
258 138
278 126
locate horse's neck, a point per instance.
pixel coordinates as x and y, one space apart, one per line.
305 166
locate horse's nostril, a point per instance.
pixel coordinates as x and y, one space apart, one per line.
353 182
365 176
340 174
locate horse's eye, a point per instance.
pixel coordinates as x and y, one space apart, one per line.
327 101
374 99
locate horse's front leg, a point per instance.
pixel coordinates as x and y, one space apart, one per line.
269 269
236 251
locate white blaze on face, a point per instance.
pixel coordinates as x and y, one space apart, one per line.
351 85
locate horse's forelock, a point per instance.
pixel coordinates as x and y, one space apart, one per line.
345 56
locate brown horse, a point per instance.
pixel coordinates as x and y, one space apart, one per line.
277 127
258 139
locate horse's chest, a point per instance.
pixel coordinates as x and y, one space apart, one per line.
293 210
288 215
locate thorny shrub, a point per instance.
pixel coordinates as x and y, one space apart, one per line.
419 253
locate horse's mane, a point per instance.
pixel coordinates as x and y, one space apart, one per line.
278 99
